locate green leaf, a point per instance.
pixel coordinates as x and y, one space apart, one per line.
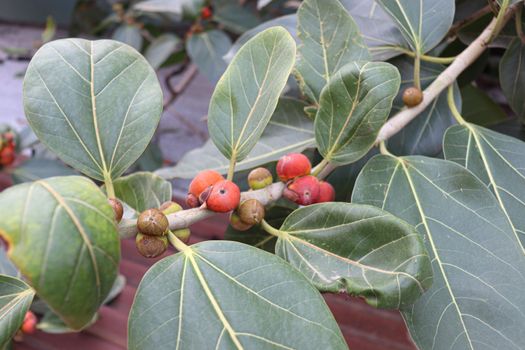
288 131
161 49
143 190
15 300
476 300
39 168
180 8
479 108
243 297
330 39
63 238
51 323
512 76
247 94
423 23
129 35
359 249
424 134
152 158
353 107
235 16
206 50
96 104
6 266
498 161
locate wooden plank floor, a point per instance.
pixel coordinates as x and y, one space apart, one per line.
364 327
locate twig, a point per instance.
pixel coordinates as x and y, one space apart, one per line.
468 20
190 71
446 78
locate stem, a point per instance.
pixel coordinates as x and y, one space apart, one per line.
108 182
500 20
320 167
231 168
466 21
383 149
417 71
453 107
519 26
177 243
327 171
447 77
434 59
272 230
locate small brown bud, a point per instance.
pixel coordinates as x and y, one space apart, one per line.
412 96
118 210
152 222
237 224
151 246
251 212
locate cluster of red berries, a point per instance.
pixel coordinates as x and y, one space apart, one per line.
209 188
7 148
302 188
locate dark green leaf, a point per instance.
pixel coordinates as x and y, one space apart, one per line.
152 158
161 49
39 168
330 39
479 108
206 50
476 300
96 104
243 297
353 107
512 76
63 238
234 16
143 190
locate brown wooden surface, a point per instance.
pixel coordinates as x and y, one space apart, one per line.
364 327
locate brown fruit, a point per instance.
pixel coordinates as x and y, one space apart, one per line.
151 246
152 222
293 165
170 207
259 178
224 197
412 96
237 224
326 192
251 212
303 191
203 180
118 210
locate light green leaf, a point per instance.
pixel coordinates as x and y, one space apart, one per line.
424 134
143 190
39 168
353 107
479 108
476 301
330 39
161 49
235 16
288 131
423 23
129 35
359 249
247 94
243 297
206 50
177 7
512 76
15 300
63 238
496 159
96 104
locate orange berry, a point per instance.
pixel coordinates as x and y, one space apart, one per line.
224 197
412 96
203 180
29 324
303 191
326 192
7 155
293 165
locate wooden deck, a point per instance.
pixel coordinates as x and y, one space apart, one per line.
364 327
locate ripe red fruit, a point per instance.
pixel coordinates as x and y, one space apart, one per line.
206 12
224 197
326 192
29 324
7 155
202 181
303 191
412 96
293 165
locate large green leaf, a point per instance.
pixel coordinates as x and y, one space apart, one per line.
359 249
15 300
288 131
477 299
247 94
496 159
39 168
423 23
206 50
330 39
512 76
96 104
143 190
63 238
353 107
243 297
424 134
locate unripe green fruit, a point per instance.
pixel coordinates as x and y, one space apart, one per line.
412 96
183 234
237 224
151 246
259 178
118 210
251 212
170 207
152 222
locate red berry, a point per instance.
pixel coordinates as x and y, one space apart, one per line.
202 181
293 165
29 324
326 192
206 12
224 197
7 155
303 191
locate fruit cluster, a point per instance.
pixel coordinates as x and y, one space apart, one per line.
210 189
7 148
